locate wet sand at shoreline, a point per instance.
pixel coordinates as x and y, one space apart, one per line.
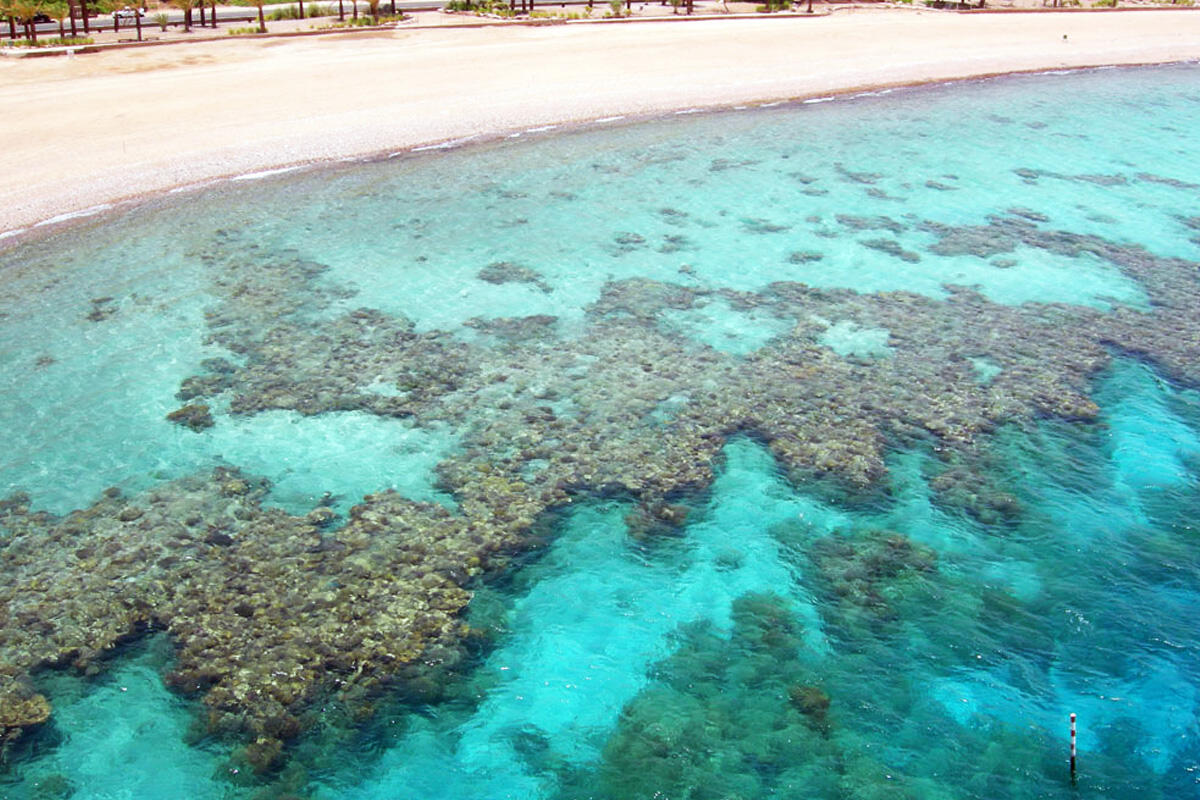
102 128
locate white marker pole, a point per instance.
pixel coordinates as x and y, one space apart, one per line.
1072 748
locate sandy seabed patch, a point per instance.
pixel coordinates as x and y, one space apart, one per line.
97 129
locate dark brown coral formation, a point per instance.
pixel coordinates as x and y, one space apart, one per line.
269 610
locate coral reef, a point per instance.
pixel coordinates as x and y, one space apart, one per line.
270 610
724 717
196 416
263 608
865 575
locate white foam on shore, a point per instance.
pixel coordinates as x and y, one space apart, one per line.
873 93
770 105
610 119
446 145
266 173
541 128
689 111
191 187
818 100
87 212
10 234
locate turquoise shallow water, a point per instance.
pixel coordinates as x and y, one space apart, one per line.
838 451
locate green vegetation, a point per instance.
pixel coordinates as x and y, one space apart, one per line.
287 12
363 22
557 15
68 41
242 31
307 12
481 7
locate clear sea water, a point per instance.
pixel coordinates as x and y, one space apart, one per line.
723 661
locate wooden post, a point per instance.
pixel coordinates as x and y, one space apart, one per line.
116 23
74 30
137 18
83 12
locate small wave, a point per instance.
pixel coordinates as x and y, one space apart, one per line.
446 145
191 187
873 93
87 212
266 173
818 100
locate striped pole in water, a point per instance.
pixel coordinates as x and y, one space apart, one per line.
1072 748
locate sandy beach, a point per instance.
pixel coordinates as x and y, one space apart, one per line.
101 128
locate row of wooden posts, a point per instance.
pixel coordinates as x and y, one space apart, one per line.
79 17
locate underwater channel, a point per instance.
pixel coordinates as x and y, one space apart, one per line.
834 450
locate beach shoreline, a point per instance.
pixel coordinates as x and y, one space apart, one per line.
90 134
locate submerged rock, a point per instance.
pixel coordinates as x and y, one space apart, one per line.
892 248
501 272
194 415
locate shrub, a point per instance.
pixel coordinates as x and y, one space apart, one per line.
242 31
499 8
1105 4
287 12
55 42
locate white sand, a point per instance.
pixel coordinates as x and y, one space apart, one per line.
106 127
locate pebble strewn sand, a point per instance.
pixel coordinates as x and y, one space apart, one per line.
106 127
